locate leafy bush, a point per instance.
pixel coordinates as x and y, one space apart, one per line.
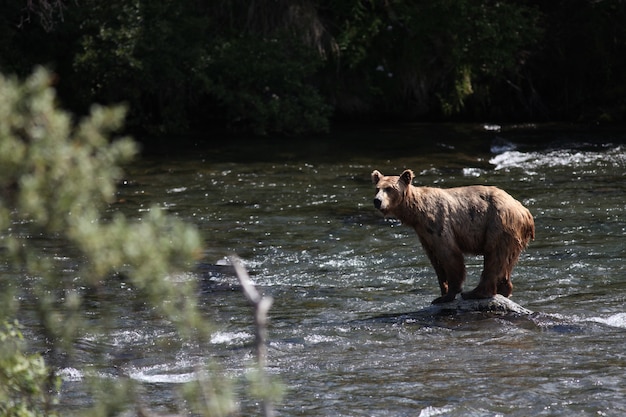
56 179
24 379
427 58
261 84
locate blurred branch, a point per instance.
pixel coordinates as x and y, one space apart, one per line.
261 306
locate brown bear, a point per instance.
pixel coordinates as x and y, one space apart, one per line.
478 220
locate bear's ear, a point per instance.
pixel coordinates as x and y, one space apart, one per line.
407 176
376 176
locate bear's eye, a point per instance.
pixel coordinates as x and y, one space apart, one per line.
388 189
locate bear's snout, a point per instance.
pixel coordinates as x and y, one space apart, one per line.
378 203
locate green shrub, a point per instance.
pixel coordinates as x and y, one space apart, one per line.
24 379
262 86
57 177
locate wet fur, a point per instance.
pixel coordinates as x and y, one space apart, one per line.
478 220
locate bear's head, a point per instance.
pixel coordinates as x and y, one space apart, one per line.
390 190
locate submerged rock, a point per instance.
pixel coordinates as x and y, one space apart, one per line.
497 304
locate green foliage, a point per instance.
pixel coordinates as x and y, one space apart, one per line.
56 179
210 396
289 66
428 57
261 83
165 59
24 379
59 180
153 52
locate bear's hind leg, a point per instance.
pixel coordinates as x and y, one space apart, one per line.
484 289
505 287
488 285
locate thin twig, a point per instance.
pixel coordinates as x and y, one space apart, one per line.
261 307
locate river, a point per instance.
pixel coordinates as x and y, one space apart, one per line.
348 335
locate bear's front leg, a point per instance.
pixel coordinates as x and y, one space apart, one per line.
449 297
450 274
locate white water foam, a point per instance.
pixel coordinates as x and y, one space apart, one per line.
342 262
472 172
616 320
316 339
70 374
176 190
229 337
159 375
615 157
434 411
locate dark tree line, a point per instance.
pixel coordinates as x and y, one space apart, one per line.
293 66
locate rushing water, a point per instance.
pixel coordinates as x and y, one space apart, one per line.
349 335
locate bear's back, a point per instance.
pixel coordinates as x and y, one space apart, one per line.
469 215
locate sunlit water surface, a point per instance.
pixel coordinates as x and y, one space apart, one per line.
348 336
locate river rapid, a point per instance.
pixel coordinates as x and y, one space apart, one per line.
350 333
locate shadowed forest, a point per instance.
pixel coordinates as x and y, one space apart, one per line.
297 66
